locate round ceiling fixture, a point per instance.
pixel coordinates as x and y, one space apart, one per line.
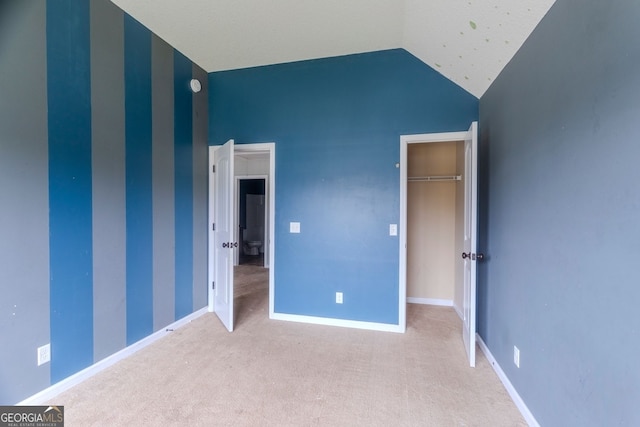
195 85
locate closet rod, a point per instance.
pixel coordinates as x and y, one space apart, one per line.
436 178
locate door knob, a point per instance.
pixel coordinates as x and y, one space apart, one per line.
225 245
466 255
235 244
480 257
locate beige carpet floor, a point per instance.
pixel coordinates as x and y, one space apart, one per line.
275 373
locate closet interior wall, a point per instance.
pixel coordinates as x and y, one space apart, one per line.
434 222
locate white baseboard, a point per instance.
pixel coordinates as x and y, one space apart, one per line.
75 379
459 311
430 301
527 415
372 326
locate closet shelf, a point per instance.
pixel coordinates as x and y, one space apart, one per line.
436 178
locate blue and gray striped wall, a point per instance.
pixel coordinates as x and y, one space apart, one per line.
103 187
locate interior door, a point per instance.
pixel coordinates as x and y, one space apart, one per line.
224 234
470 234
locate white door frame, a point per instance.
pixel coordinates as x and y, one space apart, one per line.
405 140
269 147
265 238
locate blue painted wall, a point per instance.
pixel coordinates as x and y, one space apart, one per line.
561 197
54 144
337 123
139 206
70 220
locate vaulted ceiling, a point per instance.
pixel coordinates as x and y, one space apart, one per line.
468 41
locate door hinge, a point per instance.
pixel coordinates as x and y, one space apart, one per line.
213 285
213 226
213 168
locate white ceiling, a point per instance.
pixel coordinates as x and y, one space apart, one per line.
469 42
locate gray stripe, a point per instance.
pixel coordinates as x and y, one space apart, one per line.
108 175
24 216
163 184
200 188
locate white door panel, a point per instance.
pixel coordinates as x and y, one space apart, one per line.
470 236
223 235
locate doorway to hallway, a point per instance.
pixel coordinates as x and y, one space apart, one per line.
226 163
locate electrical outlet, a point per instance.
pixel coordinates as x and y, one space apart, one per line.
44 354
516 356
338 297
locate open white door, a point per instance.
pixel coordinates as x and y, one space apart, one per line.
223 234
470 233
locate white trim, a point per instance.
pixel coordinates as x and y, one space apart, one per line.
457 309
77 378
384 327
434 137
271 195
430 301
524 410
402 241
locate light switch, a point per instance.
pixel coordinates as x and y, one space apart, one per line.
294 227
393 229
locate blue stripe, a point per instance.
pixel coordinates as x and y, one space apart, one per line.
138 164
70 213
183 158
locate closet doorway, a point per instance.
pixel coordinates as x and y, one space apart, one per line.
438 225
435 214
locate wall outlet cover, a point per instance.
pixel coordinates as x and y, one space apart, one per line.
44 354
